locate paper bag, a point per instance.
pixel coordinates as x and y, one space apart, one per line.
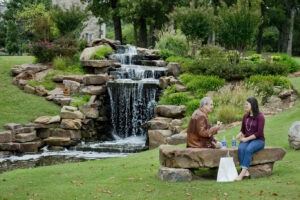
227 171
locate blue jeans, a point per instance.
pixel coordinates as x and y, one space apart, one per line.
247 149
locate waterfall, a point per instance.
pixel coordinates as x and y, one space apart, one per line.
133 94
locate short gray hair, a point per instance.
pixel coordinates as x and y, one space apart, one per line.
204 101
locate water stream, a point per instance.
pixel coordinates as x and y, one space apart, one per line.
133 96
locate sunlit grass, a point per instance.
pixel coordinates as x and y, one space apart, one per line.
135 177
16 106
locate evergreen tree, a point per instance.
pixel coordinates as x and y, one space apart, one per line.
12 38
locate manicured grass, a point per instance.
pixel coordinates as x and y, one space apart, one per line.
297 59
15 105
135 177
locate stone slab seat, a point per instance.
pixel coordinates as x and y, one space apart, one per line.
194 158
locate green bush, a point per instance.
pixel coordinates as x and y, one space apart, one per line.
264 85
102 52
201 84
208 51
191 106
293 66
174 99
80 99
174 42
269 68
165 53
185 62
46 82
228 113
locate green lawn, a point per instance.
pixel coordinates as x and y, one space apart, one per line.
135 177
297 59
15 105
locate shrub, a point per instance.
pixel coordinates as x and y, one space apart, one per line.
264 85
46 82
174 99
208 51
191 106
61 63
44 51
292 65
165 53
184 62
80 99
269 68
201 84
176 43
102 52
228 113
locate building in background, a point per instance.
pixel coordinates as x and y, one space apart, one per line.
92 28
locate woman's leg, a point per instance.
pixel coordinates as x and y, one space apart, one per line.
241 151
252 147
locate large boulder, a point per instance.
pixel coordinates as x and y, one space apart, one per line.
88 52
294 135
170 111
210 158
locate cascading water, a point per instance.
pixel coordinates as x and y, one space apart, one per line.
132 95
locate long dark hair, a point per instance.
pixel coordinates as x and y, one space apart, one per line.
254 106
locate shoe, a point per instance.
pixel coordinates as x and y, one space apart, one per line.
238 178
247 174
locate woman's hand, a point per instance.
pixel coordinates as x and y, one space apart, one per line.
240 136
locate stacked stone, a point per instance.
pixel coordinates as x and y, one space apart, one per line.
67 133
19 138
165 127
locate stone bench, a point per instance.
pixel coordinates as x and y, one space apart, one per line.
177 163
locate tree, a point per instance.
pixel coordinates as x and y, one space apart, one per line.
11 42
69 20
107 10
147 16
195 23
237 25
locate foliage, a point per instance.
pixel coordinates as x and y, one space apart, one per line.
264 85
128 35
232 67
228 113
46 51
68 20
237 25
12 37
175 43
46 82
287 60
201 84
229 102
66 65
80 99
185 62
208 51
179 98
100 53
3 32
43 51
195 23
29 15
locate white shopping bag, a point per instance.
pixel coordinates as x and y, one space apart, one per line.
227 171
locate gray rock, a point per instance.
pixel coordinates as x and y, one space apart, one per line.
6 136
170 111
294 135
175 175
99 79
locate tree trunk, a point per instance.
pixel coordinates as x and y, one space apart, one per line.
117 21
283 38
290 38
151 40
261 28
143 32
135 32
